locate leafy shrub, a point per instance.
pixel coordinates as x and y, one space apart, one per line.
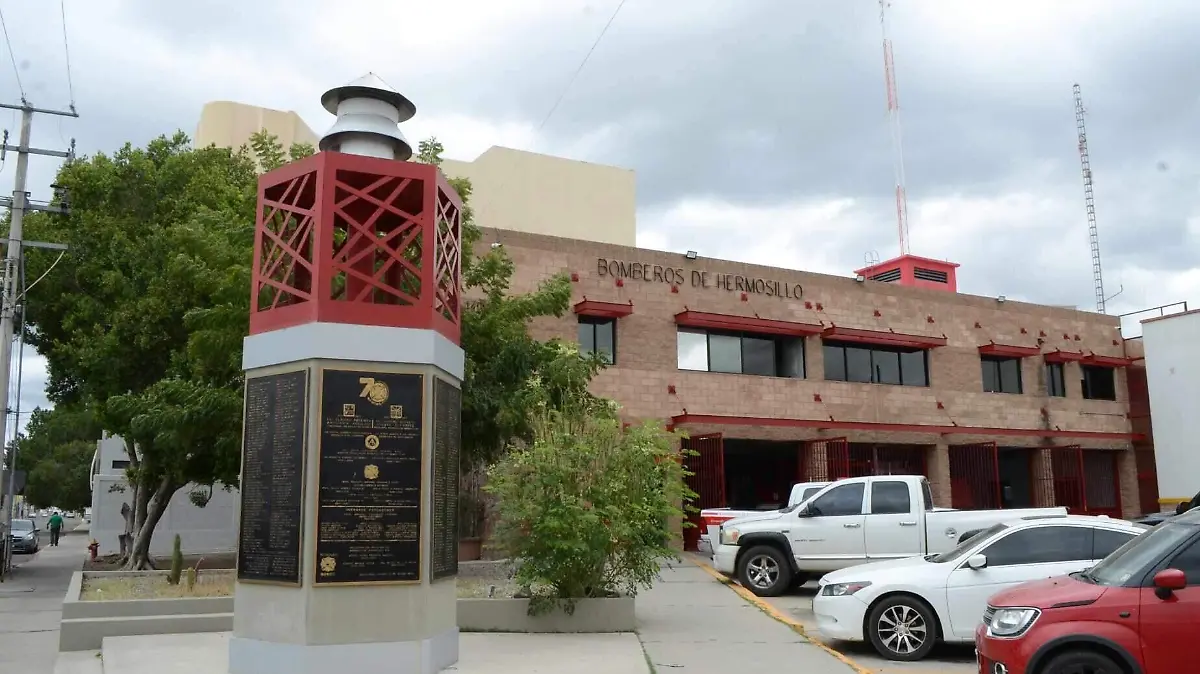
585 509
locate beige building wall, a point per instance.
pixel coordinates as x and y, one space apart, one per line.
229 124
539 194
512 189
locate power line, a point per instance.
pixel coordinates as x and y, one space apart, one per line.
582 64
62 6
12 56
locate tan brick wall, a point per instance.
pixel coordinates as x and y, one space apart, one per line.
646 368
646 344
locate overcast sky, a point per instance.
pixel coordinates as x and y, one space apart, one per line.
757 128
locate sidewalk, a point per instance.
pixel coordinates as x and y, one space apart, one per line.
691 623
688 623
31 605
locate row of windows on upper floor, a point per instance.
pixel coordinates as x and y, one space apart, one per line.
774 356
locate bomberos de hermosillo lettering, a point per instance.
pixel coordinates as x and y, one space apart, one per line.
678 276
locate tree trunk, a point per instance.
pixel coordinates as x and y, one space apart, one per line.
139 495
139 555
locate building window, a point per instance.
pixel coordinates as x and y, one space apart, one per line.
120 464
598 336
1056 382
741 353
1099 383
1001 375
876 364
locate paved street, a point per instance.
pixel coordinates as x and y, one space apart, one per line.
946 659
31 602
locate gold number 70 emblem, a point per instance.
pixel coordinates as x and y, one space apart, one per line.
376 392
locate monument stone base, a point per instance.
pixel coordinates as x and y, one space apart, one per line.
427 656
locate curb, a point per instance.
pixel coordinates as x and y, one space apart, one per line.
780 616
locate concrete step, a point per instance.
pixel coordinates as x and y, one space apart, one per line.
206 653
76 634
79 662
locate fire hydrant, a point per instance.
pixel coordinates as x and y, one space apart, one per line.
93 548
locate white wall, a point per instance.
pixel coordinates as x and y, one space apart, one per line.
212 528
1173 377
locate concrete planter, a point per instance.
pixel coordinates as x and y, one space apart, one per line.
512 615
86 623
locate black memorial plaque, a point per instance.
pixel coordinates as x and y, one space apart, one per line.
272 487
447 442
369 500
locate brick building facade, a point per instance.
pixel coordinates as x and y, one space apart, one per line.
850 377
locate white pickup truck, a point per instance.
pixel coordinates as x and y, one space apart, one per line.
711 519
853 521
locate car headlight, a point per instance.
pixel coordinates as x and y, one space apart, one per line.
29 536
843 589
1012 622
729 536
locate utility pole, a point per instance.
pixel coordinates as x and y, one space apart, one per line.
10 288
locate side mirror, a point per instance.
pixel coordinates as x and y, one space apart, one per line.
803 511
1181 508
977 562
1168 581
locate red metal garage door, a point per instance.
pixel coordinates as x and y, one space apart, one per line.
1069 487
825 460
975 476
1086 481
705 464
1101 482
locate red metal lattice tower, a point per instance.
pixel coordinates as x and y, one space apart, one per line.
355 234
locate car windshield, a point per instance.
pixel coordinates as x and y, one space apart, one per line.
22 525
966 546
1132 558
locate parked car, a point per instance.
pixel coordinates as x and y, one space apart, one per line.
904 606
25 537
711 519
1155 519
1136 611
849 522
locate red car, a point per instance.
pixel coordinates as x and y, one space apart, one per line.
1136 612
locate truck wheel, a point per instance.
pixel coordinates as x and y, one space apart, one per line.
1081 661
765 571
902 628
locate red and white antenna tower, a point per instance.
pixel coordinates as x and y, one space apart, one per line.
893 101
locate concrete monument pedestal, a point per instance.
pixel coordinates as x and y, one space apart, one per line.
348 546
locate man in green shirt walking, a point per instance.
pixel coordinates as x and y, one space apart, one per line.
56 522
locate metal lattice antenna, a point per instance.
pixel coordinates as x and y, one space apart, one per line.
893 101
1089 200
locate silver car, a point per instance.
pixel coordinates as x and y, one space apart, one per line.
25 537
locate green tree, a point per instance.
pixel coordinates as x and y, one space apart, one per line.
158 236
56 452
265 146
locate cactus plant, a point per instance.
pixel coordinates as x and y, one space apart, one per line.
191 579
176 562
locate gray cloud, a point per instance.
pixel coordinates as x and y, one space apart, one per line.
754 104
